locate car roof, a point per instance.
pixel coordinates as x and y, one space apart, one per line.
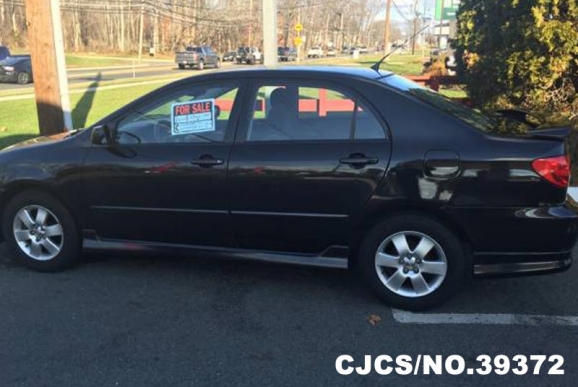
344 71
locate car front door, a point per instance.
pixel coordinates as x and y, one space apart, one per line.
163 178
305 161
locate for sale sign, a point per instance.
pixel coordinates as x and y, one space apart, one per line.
193 117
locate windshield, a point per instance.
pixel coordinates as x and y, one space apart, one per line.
12 61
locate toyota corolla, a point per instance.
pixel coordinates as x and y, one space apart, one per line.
322 166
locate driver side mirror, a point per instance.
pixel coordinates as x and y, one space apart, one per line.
102 135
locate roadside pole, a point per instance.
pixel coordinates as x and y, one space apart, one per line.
387 33
270 32
140 31
48 65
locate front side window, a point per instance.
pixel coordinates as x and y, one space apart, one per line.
302 112
197 114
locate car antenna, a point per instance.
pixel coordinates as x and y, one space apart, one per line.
376 65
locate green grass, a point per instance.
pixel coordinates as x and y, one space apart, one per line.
125 81
95 61
18 119
453 93
403 64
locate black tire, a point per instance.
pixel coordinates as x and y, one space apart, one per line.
70 242
181 66
456 259
201 65
23 78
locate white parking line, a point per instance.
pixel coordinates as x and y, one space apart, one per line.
482 319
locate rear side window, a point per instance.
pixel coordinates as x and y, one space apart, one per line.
303 112
470 116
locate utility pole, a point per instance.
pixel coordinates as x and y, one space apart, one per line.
140 31
387 27
48 65
270 32
250 42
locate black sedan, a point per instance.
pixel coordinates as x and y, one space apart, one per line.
16 69
325 166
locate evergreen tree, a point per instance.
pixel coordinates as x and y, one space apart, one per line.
520 53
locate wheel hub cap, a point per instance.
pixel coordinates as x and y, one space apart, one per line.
411 264
38 232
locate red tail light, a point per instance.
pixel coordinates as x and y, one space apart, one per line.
554 169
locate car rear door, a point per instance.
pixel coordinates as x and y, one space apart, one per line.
307 158
164 179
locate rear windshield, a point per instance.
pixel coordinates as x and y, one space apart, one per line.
472 117
195 49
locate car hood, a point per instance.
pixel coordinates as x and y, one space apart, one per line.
43 140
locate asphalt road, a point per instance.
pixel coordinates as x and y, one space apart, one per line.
118 320
76 76
149 69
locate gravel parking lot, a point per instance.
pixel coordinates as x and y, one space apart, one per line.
119 320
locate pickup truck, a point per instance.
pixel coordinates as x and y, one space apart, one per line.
249 55
197 56
315 52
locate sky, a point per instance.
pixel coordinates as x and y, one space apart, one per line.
404 9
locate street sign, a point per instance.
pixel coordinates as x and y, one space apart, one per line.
298 27
298 41
446 9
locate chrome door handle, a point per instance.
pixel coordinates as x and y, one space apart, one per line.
207 162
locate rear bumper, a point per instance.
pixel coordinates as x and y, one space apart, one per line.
523 264
187 62
519 241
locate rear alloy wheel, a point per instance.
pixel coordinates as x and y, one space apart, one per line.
413 262
23 78
40 232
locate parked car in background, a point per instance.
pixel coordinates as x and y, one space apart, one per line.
331 52
197 56
417 192
315 52
4 52
286 54
230 56
249 55
363 50
17 69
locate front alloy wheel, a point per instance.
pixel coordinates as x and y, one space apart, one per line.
23 78
38 232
